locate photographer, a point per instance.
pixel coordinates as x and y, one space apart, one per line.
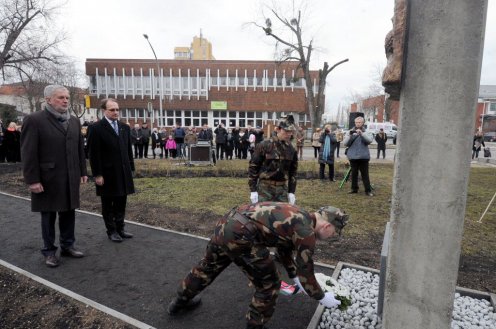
328 143
358 154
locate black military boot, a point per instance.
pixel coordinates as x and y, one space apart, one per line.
178 304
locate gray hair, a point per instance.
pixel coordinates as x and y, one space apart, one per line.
51 89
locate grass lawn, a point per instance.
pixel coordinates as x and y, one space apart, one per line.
217 189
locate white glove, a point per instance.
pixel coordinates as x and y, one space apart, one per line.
298 283
329 301
291 198
254 197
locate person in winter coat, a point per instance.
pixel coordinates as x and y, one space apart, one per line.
357 142
170 148
315 142
381 139
326 154
12 143
112 165
220 141
157 144
54 166
477 143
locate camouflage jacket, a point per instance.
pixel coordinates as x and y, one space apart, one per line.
291 230
273 160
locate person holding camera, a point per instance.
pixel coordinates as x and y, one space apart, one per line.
358 154
328 141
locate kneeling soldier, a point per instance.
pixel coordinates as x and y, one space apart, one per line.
243 236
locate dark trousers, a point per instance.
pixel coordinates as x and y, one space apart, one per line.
383 153
255 263
138 151
337 149
220 149
66 227
322 171
316 151
363 167
145 148
113 212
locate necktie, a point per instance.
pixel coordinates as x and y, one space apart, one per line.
114 124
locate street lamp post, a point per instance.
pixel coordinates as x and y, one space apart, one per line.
161 111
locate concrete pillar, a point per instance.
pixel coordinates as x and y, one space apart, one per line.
441 74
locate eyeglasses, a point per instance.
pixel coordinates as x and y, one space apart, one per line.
113 110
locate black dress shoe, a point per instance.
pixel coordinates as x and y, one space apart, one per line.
72 252
51 261
125 235
178 304
115 237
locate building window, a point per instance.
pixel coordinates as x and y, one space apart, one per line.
492 107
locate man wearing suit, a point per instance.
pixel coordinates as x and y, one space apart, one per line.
111 160
54 166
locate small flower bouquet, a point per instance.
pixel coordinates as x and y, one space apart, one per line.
341 292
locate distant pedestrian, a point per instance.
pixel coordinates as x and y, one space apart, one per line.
315 142
171 148
381 139
54 166
326 154
112 165
339 138
145 132
12 143
357 142
137 141
157 144
220 141
300 142
478 143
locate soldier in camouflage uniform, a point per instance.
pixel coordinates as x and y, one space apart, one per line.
243 236
273 166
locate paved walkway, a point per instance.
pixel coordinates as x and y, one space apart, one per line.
139 276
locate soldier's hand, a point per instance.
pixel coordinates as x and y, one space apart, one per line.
254 197
329 301
291 198
300 287
99 180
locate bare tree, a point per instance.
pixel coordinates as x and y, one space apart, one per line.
26 37
300 51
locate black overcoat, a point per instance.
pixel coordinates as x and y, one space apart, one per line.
55 158
111 156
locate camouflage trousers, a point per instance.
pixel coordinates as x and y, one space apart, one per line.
272 191
238 246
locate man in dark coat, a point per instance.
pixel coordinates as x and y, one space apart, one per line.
111 160
220 141
243 237
54 166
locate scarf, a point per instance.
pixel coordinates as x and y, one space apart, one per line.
63 118
327 147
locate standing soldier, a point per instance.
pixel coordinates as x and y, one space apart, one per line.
273 166
243 236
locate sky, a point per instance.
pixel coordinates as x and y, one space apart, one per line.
340 29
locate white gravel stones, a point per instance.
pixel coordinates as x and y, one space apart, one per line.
362 314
